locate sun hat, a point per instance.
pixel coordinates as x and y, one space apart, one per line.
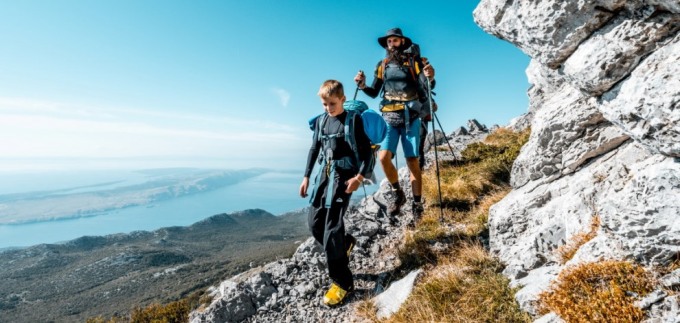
394 32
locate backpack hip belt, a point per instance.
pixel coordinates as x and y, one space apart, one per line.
392 107
404 97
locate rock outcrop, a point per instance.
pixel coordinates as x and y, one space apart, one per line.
605 143
456 141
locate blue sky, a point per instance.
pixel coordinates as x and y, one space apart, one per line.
226 84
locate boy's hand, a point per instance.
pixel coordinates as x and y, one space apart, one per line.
353 184
304 186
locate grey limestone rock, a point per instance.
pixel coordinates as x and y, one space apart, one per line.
549 31
475 126
671 280
646 105
461 131
604 112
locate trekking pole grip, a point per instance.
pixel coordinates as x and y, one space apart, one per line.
356 91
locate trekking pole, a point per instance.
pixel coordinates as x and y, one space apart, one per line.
445 138
356 91
436 157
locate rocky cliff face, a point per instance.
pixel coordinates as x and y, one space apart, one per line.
605 142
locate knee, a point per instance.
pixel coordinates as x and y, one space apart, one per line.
385 156
413 165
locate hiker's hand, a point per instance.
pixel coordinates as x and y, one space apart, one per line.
360 79
428 70
434 106
304 186
353 184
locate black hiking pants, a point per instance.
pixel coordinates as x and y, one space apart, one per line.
328 228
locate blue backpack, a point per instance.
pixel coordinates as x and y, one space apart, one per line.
374 127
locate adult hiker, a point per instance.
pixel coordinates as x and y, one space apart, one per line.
340 175
402 78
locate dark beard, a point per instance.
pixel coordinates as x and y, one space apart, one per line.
395 56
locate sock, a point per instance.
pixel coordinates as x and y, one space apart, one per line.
396 186
416 198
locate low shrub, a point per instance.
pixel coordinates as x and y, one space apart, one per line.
177 311
598 292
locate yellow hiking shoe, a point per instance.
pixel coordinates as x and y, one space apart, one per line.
334 296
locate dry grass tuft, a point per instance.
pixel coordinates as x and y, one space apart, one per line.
485 167
367 310
466 287
675 264
476 221
170 313
177 311
567 251
598 292
100 319
416 250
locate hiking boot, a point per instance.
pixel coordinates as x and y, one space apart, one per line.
417 210
350 242
335 295
394 208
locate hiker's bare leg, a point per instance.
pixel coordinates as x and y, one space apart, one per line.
385 157
416 176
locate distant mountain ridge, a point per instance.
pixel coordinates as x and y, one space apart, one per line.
103 275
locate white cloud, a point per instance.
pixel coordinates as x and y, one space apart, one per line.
36 129
284 96
45 108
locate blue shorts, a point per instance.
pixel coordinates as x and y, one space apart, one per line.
410 140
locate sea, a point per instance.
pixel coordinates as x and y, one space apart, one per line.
275 191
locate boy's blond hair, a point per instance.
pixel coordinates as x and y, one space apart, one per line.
331 88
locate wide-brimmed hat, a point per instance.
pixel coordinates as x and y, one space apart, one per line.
394 32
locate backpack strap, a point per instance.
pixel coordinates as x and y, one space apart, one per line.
350 137
381 69
413 67
318 131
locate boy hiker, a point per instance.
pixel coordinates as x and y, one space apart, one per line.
343 170
402 78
